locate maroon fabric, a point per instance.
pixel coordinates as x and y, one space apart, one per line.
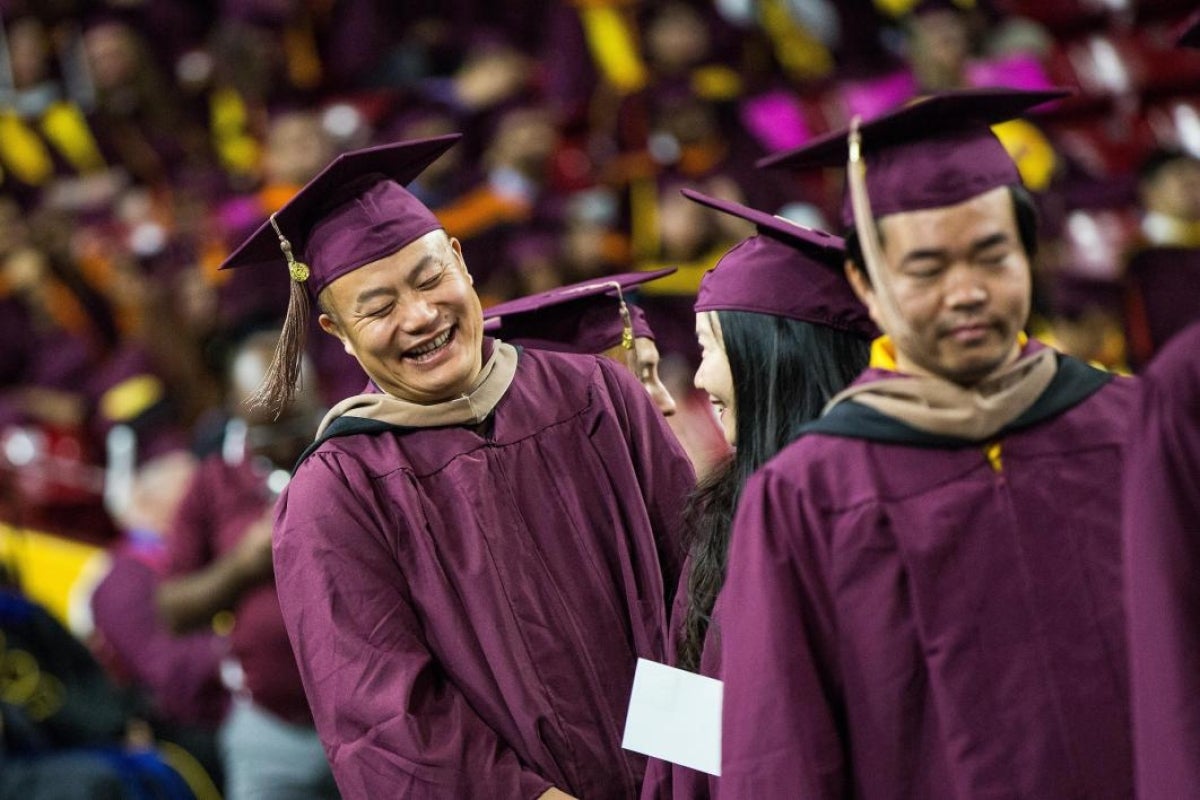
1162 551
64 361
937 151
583 317
786 270
353 212
376 223
467 603
181 673
583 326
903 621
1072 296
1165 279
220 505
664 780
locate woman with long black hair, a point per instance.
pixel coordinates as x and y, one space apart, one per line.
781 333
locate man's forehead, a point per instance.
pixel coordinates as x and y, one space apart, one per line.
993 208
432 248
399 267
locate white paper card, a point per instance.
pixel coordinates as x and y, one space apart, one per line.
675 715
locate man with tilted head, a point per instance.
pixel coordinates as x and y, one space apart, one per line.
477 548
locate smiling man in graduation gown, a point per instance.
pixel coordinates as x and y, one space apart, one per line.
924 590
476 550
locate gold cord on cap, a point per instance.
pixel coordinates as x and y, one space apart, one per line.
626 319
297 269
864 225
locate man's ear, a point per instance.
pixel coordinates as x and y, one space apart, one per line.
863 290
456 246
330 326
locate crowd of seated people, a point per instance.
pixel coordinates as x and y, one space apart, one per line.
142 140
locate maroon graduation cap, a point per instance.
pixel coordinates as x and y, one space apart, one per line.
786 270
585 317
353 212
936 151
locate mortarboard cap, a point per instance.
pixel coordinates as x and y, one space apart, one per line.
585 317
1072 295
937 151
354 212
786 269
1188 32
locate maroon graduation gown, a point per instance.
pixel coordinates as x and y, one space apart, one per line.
181 673
467 603
664 780
1162 551
903 619
1165 279
223 501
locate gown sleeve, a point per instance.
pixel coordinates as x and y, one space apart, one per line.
779 732
664 473
189 543
1162 556
391 722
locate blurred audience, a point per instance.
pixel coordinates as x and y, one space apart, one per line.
1164 270
219 575
140 140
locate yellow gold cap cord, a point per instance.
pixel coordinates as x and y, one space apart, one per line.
297 269
626 320
868 236
283 375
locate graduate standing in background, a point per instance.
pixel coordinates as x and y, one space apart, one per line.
1162 558
471 557
590 316
924 593
781 333
1162 552
219 552
1164 270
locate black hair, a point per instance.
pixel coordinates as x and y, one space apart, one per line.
1024 209
784 372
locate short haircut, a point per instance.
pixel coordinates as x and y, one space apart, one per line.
1024 210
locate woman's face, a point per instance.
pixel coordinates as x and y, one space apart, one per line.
714 377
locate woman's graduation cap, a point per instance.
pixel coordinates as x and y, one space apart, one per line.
587 317
786 270
354 212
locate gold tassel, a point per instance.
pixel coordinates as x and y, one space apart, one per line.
864 225
283 375
622 308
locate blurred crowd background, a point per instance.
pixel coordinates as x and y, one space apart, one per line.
142 140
